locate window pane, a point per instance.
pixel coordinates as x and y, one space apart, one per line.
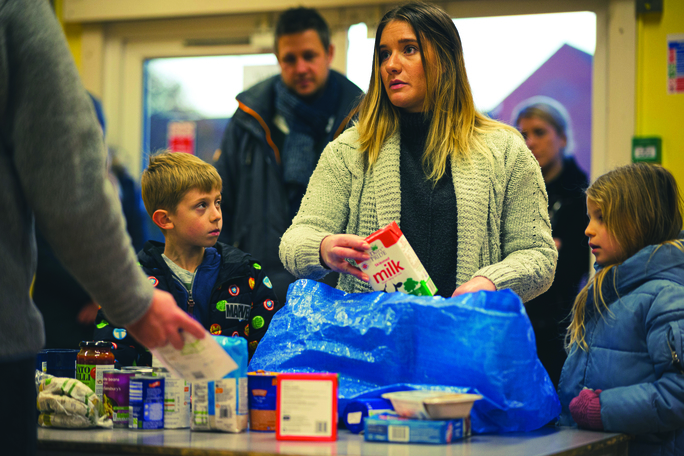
502 52
193 98
511 59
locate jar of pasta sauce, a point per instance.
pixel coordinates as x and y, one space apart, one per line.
93 359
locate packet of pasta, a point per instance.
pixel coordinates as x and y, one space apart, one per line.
65 405
68 403
59 420
72 388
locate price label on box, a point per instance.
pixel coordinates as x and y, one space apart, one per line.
306 407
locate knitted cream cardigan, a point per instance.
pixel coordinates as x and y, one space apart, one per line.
504 232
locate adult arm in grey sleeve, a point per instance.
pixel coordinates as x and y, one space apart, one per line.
59 159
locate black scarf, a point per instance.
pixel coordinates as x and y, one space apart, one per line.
309 123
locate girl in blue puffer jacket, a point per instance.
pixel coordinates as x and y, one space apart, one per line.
624 370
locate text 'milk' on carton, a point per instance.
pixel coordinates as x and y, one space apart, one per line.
394 266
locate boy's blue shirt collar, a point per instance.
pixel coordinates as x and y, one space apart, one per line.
211 257
203 285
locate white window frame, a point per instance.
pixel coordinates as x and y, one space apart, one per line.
114 48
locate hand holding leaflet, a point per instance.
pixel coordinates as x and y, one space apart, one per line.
199 359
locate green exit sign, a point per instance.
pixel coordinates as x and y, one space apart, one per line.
646 149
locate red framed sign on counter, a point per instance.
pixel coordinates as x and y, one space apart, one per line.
306 407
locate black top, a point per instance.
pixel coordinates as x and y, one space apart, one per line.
568 214
428 211
549 312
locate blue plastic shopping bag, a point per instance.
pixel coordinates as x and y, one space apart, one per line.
479 342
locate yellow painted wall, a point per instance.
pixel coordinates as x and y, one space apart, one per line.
73 34
657 113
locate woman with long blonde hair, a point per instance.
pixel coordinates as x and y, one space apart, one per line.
465 190
625 341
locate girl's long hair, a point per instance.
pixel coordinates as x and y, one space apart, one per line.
641 206
456 125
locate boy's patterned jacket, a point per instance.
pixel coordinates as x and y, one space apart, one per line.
231 296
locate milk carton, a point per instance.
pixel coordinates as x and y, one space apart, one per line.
394 266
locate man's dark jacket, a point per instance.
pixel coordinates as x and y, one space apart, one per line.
255 204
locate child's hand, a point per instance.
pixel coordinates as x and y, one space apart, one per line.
586 409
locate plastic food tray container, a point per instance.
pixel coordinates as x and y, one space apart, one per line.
432 405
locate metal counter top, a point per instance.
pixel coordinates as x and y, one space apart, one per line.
182 442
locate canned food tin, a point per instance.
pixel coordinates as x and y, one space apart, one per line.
144 370
146 403
177 403
116 393
262 400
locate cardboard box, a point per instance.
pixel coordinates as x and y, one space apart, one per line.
306 407
394 266
389 427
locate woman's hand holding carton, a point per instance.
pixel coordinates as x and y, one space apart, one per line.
478 283
336 248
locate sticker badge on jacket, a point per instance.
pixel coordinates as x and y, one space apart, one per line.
258 322
238 311
153 280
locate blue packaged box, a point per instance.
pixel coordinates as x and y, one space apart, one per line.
389 427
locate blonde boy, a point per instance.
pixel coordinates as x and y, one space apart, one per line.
219 285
